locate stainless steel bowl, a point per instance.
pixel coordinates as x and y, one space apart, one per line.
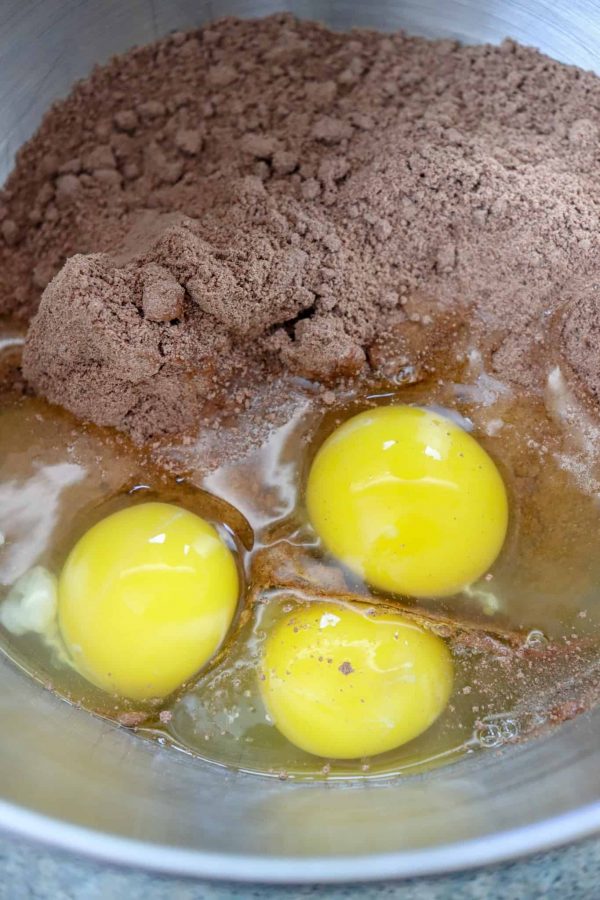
76 782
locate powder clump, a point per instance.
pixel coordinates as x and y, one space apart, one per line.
578 326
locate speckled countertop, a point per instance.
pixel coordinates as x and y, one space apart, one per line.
28 871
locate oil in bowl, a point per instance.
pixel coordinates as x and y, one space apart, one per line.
490 655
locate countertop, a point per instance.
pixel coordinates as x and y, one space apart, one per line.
28 871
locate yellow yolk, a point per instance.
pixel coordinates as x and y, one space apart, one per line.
409 501
145 599
343 682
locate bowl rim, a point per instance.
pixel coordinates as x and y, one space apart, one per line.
503 846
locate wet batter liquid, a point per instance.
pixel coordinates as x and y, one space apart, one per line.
524 638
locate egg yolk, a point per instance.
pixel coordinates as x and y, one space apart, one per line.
343 681
408 500
145 599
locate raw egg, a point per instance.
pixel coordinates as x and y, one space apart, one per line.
408 500
344 681
146 598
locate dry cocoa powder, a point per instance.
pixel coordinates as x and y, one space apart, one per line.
267 194
579 338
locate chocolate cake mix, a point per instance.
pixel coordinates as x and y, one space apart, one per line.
267 195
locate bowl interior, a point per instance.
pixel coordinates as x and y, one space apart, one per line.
74 780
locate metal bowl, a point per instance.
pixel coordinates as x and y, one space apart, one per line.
74 781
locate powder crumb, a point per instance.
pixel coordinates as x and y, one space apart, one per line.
162 295
189 141
10 232
132 719
126 120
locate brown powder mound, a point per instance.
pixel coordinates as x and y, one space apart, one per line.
268 193
104 347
